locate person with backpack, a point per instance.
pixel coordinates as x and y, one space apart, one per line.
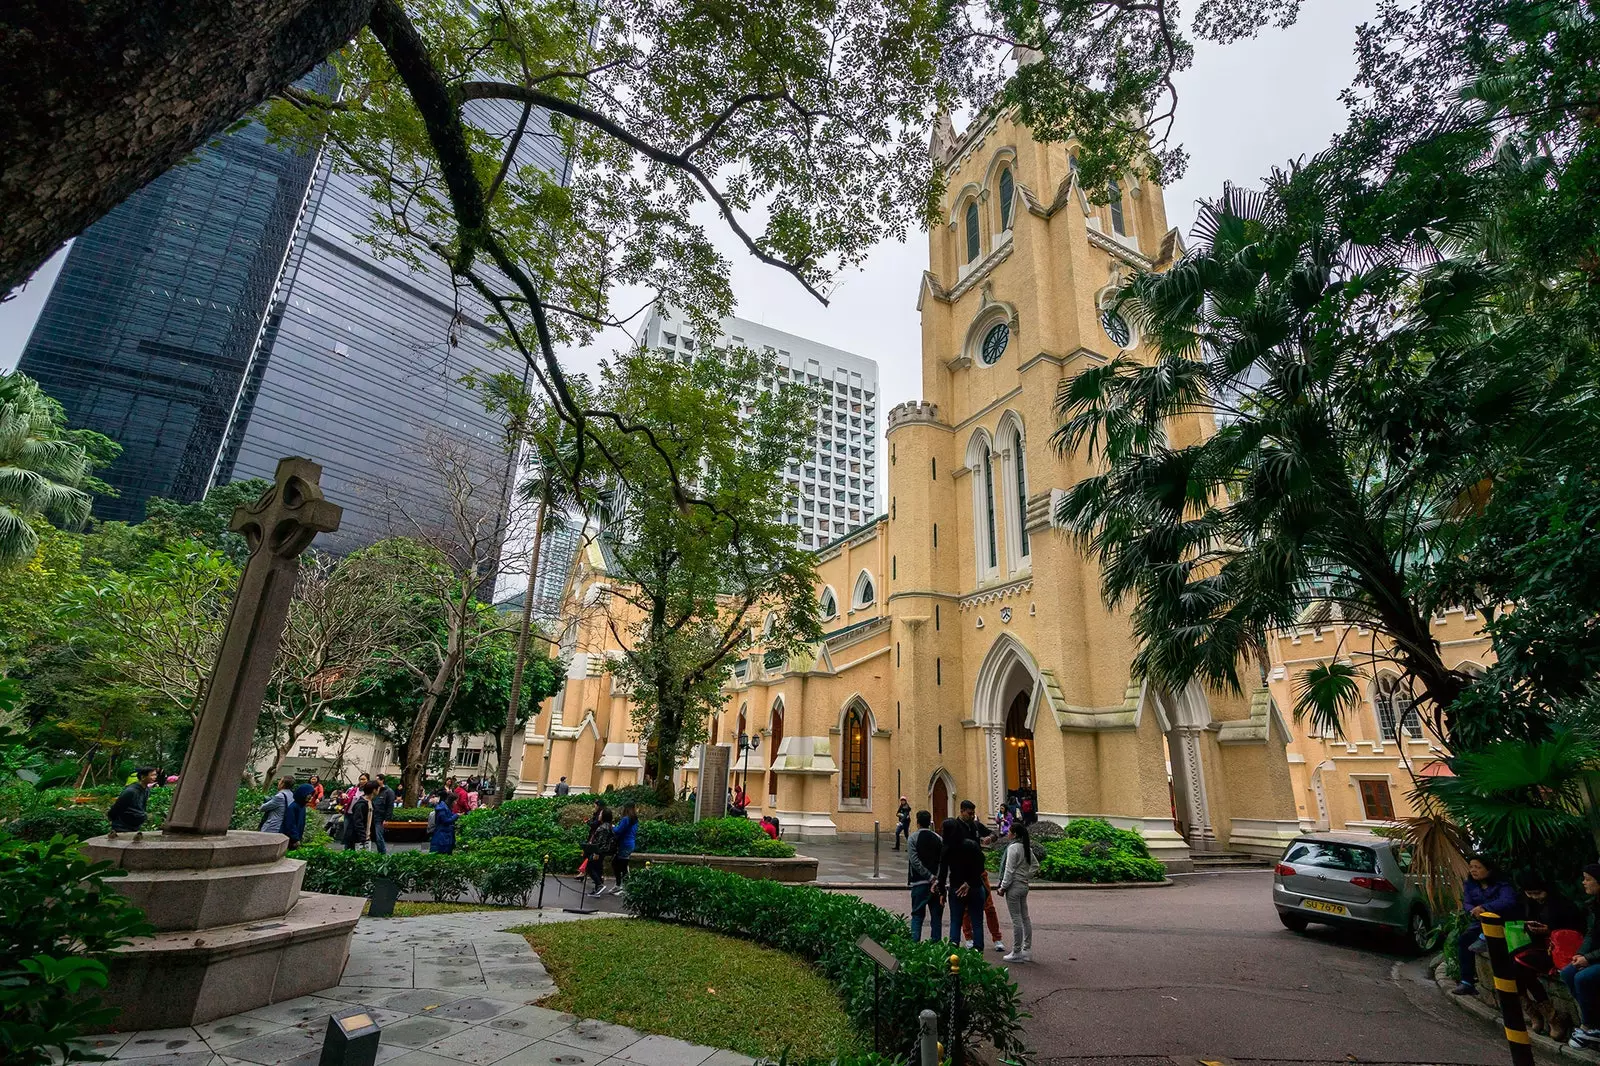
902 822
925 854
1017 867
277 807
442 825
1545 911
382 811
625 837
294 821
602 842
358 823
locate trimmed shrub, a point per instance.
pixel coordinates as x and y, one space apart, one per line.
74 823
823 928
1096 851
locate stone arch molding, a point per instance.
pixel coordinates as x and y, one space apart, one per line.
990 314
856 701
1004 654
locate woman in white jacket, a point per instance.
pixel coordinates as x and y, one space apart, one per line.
1017 868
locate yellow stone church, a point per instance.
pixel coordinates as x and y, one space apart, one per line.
969 654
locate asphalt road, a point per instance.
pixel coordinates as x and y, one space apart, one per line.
1203 972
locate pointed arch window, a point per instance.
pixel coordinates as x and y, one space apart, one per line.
1395 710
865 595
988 503
829 605
855 755
774 747
1008 191
973 241
1020 463
1118 223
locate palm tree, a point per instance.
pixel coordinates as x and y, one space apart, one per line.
45 469
1322 403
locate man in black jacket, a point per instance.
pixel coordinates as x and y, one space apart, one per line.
382 811
127 812
961 872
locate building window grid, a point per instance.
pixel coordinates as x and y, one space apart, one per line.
1396 710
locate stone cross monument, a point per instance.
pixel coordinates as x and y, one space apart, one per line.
278 527
233 930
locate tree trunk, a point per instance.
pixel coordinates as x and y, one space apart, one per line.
509 732
416 758
97 99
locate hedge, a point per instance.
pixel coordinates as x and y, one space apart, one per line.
37 815
505 877
550 822
823 928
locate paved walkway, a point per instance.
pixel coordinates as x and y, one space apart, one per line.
448 990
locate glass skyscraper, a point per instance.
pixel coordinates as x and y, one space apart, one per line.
229 314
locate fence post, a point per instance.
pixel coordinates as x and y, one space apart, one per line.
1505 987
958 1048
928 1038
875 873
544 871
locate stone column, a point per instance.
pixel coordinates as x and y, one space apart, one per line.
278 527
994 767
1189 777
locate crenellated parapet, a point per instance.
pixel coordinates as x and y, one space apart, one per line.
912 411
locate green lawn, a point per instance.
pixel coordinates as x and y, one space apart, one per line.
694 985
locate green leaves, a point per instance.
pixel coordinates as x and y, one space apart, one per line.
1325 693
59 920
46 470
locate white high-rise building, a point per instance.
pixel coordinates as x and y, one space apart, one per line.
838 482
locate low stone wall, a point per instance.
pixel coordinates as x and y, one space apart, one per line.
1566 1007
798 869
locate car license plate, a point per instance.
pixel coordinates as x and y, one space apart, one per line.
1326 908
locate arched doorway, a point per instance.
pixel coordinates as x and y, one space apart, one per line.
939 800
1020 781
1004 701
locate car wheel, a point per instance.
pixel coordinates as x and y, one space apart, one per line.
1293 922
1419 935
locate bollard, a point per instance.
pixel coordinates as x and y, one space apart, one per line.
544 871
875 873
958 1049
928 1038
1505 987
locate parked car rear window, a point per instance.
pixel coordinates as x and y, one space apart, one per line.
1351 858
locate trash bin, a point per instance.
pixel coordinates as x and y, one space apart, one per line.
385 890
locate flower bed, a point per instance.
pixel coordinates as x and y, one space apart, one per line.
823 928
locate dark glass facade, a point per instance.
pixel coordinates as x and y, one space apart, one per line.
147 332
229 315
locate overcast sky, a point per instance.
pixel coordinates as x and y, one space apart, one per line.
1242 110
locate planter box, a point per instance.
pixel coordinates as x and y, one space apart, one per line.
800 868
405 832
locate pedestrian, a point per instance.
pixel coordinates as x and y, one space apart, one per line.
460 805
1017 867
294 820
382 811
1030 810
354 792
277 805
961 872
317 791
594 815
1582 974
600 844
1483 890
922 872
769 826
991 917
562 788
358 823
624 837
1544 911
442 824
127 811
902 822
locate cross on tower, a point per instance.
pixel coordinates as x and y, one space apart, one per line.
278 527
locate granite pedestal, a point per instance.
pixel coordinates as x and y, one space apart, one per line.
234 930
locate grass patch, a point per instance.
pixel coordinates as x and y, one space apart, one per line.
694 985
409 909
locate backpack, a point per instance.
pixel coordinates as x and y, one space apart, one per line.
433 820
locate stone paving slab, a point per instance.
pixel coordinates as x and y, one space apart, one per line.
447 990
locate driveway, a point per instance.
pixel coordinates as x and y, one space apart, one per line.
1203 971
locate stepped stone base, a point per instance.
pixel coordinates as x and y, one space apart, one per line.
234 931
187 978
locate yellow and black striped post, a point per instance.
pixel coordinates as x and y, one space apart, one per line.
1505 987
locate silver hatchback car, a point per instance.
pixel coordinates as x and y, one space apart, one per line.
1351 880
